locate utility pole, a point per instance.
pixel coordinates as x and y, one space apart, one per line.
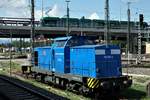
139 38
107 35
32 29
10 54
129 32
68 24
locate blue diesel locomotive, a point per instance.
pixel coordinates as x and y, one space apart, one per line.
76 63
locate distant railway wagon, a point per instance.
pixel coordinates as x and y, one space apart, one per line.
86 23
76 63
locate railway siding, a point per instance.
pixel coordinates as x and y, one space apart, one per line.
138 71
14 89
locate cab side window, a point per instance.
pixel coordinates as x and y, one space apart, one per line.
59 43
72 42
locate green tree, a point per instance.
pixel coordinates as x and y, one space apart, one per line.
19 44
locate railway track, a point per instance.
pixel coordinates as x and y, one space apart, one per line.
13 89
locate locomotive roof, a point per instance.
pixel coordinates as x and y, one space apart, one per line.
63 38
69 37
95 46
42 47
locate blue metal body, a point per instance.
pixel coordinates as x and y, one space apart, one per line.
96 61
44 59
60 55
54 58
77 56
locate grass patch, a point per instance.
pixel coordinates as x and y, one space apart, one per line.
136 92
5 66
63 93
60 92
142 80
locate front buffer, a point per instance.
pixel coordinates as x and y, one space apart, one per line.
109 84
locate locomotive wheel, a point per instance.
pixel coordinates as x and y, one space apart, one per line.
68 87
24 68
63 84
35 75
97 95
81 90
43 78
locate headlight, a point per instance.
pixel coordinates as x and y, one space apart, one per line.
125 82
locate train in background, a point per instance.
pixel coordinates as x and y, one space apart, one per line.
86 23
76 63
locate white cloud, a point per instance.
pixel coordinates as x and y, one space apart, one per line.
38 14
17 8
130 1
14 8
94 16
20 8
54 11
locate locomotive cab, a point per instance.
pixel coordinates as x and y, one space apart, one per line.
61 51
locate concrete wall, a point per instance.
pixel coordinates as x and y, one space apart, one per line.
147 48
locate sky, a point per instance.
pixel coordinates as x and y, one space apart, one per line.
93 9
